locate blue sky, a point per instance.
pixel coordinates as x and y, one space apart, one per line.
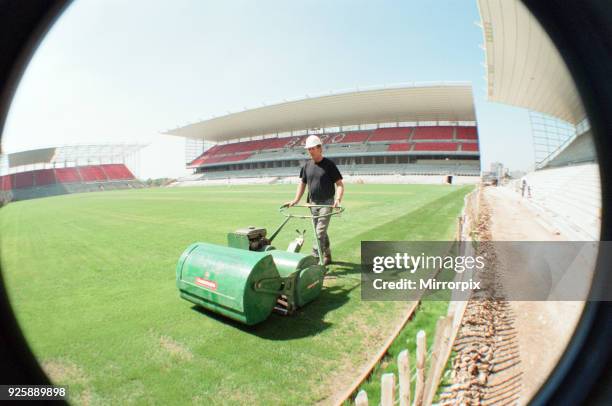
115 71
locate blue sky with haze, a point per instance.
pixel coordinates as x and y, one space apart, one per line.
113 71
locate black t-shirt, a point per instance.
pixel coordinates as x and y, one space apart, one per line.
321 178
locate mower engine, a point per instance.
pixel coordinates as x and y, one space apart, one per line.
254 239
249 238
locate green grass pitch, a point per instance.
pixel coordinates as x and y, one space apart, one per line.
92 280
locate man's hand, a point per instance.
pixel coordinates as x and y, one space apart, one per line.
336 203
298 195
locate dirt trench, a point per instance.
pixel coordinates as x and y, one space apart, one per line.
505 350
486 368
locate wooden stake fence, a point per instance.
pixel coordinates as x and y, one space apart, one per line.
426 385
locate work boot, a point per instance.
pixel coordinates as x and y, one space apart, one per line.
327 259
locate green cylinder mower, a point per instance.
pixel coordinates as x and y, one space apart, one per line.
250 278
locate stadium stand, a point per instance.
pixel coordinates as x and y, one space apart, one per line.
218 153
24 180
44 177
6 183
390 134
433 133
216 149
57 181
436 146
571 196
225 158
345 149
117 172
382 151
466 133
384 132
58 170
422 167
350 137
383 141
67 175
399 147
92 173
469 146
249 146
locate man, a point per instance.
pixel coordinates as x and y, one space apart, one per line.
323 179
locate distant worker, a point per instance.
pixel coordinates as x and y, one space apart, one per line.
523 187
324 182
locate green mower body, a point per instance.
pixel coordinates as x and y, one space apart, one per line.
249 279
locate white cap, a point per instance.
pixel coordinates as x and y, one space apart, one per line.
312 141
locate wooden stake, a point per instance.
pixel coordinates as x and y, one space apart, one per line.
403 365
361 399
387 390
420 367
438 358
459 228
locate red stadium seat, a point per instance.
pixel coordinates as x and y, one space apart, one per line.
467 133
92 173
469 146
24 179
215 149
196 162
233 148
354 136
44 177
227 158
390 134
336 138
67 175
296 141
433 133
276 143
435 146
250 146
6 182
213 154
399 147
236 158
117 172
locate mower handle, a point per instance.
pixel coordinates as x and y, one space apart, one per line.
333 212
282 209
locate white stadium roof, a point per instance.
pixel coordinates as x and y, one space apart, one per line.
524 68
34 156
70 153
436 102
